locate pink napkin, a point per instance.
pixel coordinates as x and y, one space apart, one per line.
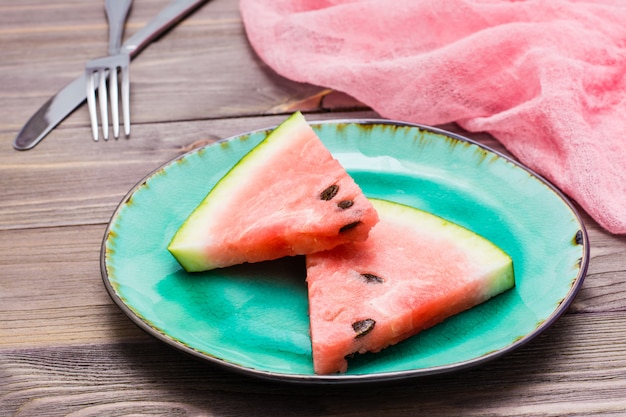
545 77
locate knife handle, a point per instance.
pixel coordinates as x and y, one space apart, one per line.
168 17
116 11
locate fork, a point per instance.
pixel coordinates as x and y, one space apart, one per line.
97 70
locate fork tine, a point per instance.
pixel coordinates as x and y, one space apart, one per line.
91 103
116 70
102 97
107 67
113 91
126 98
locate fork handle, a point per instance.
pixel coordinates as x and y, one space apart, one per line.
116 11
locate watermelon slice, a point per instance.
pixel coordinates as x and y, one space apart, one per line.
288 196
414 271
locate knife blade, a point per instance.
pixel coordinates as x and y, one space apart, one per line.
63 103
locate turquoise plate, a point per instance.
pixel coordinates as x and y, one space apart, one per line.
253 318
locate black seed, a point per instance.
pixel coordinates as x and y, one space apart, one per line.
579 237
349 226
345 204
329 193
363 327
371 278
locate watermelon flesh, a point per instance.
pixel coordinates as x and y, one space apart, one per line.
288 196
414 271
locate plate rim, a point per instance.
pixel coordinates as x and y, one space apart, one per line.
339 379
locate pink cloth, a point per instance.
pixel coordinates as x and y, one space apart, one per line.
545 77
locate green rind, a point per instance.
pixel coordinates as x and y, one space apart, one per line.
181 246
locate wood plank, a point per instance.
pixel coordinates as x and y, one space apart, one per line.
570 370
51 292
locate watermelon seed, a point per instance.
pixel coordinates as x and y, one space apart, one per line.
579 237
363 327
349 226
329 193
345 204
372 278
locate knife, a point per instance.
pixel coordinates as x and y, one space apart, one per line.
63 103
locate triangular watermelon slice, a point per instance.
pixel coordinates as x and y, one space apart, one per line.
414 271
288 196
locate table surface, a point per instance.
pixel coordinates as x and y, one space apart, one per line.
67 349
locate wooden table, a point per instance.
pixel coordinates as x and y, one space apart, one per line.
66 349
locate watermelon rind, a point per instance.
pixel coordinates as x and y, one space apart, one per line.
287 196
182 245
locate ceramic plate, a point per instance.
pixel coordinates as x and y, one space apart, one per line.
253 318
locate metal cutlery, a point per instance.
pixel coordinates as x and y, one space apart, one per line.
66 100
98 70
